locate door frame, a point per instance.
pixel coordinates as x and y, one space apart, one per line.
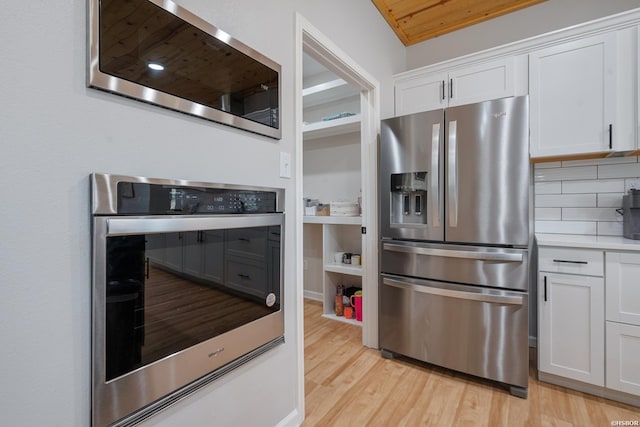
308 39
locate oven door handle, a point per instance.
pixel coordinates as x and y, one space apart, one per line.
473 296
124 226
479 255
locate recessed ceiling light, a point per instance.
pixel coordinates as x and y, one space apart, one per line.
155 66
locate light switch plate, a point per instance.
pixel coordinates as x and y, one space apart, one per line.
285 165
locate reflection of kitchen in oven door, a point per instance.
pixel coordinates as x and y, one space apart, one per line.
408 193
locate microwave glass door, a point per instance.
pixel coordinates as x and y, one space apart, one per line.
158 52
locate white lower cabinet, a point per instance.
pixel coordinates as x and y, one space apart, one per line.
571 326
623 287
623 321
589 320
623 357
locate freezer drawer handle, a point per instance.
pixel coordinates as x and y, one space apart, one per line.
566 261
498 299
488 256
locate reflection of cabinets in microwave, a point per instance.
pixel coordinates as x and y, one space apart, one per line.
408 198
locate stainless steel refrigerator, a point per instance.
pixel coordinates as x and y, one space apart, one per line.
454 227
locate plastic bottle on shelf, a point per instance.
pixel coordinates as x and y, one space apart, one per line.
339 300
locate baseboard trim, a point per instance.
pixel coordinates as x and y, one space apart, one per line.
291 420
312 295
607 393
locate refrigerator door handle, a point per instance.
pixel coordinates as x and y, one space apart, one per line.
451 293
435 173
453 173
479 255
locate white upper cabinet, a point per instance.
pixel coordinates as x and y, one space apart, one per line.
581 96
625 134
428 89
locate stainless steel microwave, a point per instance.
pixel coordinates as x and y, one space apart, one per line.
160 53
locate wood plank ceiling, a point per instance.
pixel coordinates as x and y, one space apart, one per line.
418 20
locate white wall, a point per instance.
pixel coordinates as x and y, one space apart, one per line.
332 168
539 19
54 132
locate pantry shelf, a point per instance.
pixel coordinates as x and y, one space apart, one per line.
342 319
344 269
333 127
347 220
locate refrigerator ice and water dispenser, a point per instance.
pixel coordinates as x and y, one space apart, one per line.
408 198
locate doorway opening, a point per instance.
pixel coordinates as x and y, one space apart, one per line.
337 125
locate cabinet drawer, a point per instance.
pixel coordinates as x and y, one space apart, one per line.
248 242
247 277
585 262
274 233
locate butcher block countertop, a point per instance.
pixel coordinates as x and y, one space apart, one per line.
588 242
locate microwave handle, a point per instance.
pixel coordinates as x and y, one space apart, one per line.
453 173
435 174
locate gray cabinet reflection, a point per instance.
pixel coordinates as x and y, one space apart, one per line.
174 290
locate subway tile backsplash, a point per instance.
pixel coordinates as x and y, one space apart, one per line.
581 196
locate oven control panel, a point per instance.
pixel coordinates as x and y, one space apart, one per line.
136 198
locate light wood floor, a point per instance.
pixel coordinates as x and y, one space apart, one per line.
347 384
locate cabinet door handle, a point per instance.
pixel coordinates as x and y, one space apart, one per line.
570 262
450 88
545 288
243 239
146 268
610 136
244 276
443 95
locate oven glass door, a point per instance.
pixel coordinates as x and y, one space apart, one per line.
167 291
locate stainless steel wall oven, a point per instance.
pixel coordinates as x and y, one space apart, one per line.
187 285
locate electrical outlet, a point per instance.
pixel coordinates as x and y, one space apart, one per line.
631 183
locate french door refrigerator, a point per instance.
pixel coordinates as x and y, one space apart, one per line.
454 227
